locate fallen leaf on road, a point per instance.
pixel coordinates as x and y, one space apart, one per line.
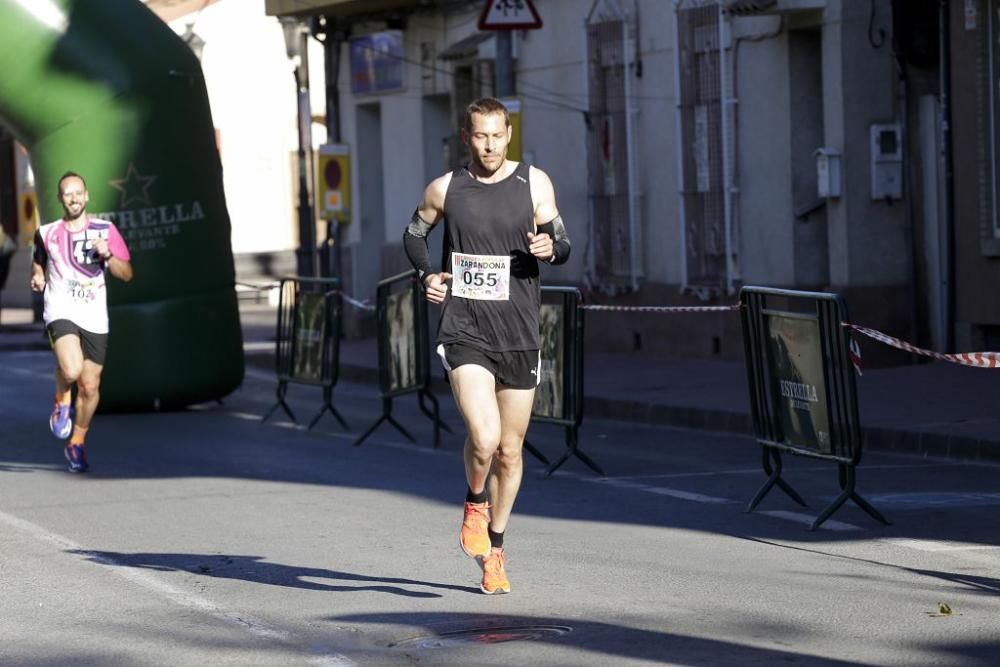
944 609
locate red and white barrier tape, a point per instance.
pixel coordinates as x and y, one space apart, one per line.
854 350
363 305
975 359
663 309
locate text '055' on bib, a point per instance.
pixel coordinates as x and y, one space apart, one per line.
483 277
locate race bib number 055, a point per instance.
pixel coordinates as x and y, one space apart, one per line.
483 277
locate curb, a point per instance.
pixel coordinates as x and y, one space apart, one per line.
923 443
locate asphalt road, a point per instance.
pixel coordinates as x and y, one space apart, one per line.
204 537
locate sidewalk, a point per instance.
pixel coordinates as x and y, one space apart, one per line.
934 409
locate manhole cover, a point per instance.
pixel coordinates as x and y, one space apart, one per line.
493 635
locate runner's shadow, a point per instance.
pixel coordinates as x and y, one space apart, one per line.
256 570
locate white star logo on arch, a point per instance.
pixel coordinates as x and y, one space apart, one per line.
134 187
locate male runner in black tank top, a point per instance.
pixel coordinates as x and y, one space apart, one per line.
500 222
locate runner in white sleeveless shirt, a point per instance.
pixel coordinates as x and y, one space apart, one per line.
69 264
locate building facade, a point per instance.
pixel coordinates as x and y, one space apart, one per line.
973 185
695 145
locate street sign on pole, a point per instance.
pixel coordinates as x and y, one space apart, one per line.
334 182
510 15
513 105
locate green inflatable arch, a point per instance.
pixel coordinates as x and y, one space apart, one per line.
106 89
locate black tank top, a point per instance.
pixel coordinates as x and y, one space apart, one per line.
492 219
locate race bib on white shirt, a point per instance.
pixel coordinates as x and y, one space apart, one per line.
483 277
82 291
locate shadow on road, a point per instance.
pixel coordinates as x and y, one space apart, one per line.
254 569
619 642
657 465
990 585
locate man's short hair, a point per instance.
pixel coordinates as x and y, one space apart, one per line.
70 174
485 106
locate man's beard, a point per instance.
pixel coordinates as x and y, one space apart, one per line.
69 215
478 159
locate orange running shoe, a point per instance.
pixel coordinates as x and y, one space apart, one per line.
494 577
474 539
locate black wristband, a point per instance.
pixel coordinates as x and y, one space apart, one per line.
560 241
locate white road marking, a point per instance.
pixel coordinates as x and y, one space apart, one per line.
167 591
681 475
375 440
28 372
935 499
259 374
339 435
29 353
935 546
798 517
658 490
759 471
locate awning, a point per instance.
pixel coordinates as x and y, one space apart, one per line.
466 47
168 10
741 7
340 8
756 7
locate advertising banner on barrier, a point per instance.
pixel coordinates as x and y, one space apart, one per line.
402 336
796 360
403 353
307 342
549 393
310 333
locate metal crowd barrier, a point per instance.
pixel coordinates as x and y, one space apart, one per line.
307 341
403 352
559 395
803 396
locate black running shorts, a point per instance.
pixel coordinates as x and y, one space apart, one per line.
95 346
517 369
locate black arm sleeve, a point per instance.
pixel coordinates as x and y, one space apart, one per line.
560 241
415 245
41 255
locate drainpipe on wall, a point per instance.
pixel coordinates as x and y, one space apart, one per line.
297 49
335 37
908 194
947 253
724 105
635 243
678 141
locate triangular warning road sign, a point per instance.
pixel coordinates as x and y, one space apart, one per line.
510 15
